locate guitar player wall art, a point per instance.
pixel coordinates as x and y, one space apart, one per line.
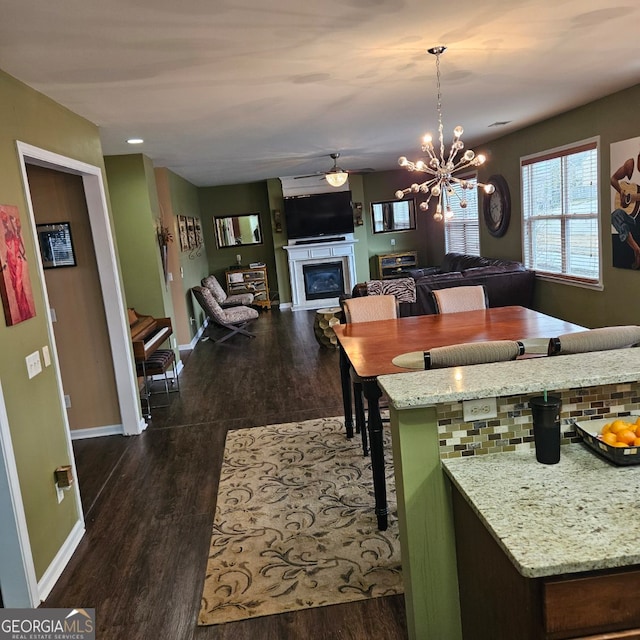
625 203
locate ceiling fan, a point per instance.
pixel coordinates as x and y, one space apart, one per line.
336 176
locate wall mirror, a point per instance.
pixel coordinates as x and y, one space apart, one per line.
238 231
394 215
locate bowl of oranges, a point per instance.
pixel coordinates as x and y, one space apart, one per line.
617 439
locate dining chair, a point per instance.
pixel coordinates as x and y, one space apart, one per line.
601 339
467 353
457 299
366 309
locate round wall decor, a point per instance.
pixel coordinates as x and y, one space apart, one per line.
497 207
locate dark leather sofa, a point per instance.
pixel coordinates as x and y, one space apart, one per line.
507 282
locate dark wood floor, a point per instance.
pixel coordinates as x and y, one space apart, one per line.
149 500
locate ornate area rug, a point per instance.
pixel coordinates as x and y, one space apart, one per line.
294 525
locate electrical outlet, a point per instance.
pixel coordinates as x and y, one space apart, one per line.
34 366
482 409
46 356
67 402
393 242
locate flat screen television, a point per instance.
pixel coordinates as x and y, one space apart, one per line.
318 215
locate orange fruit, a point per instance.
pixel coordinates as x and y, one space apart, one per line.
619 444
636 442
610 438
627 436
638 431
618 425
607 428
638 421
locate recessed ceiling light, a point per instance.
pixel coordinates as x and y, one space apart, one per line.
135 140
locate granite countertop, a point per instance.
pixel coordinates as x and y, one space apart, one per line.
581 514
427 388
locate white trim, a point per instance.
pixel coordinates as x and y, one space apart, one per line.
60 561
97 432
17 571
104 248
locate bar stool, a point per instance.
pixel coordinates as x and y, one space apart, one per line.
157 364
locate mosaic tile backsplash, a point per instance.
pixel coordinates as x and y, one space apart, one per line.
512 429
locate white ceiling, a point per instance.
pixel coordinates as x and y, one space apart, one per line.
231 91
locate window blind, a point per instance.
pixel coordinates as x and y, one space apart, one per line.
462 231
560 213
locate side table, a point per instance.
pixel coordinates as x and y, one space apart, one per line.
323 325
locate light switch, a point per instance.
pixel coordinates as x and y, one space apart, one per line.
34 366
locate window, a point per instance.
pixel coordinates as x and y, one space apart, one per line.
462 231
560 229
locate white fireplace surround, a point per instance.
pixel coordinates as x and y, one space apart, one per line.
319 253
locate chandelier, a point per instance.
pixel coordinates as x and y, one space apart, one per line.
440 169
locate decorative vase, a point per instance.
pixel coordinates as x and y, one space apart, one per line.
164 256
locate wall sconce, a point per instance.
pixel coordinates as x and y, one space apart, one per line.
277 220
357 213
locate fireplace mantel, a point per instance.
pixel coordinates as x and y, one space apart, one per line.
310 252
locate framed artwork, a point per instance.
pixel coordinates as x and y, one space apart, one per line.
625 203
15 284
56 245
198 232
191 233
182 230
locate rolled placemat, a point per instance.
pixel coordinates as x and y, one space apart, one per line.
458 355
411 360
601 339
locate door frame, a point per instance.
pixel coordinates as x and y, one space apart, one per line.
20 587
104 247
17 571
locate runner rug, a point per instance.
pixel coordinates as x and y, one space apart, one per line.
294 524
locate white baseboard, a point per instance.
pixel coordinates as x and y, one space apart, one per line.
285 305
195 339
57 566
97 432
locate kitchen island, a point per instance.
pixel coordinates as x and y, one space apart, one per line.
428 426
546 551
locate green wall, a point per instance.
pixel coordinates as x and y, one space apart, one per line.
233 200
613 119
36 418
134 203
194 264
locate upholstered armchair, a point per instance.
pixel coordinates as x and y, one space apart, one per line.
232 319
221 296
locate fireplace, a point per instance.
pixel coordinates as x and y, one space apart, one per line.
324 280
320 272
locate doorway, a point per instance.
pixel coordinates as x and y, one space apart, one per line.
103 252
17 576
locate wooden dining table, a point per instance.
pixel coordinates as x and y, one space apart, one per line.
370 347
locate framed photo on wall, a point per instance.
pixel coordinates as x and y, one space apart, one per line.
182 230
191 233
56 245
197 227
